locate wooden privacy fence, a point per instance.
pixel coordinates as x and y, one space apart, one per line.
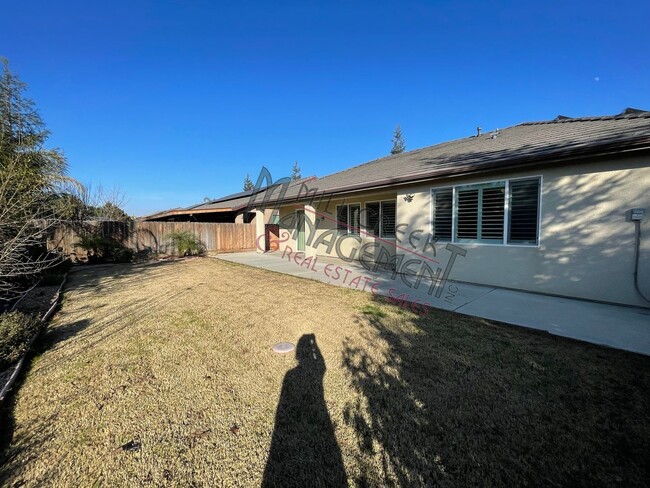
139 236
215 237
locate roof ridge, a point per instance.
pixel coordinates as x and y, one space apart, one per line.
562 119
627 114
412 151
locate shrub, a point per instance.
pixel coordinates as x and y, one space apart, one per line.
54 275
93 245
51 279
101 249
16 330
185 243
143 255
62 267
121 255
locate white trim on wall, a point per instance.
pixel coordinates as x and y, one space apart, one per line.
336 218
381 227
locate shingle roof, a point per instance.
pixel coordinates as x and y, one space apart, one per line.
222 204
518 146
241 200
229 203
232 196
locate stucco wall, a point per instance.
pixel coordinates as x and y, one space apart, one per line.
586 246
321 228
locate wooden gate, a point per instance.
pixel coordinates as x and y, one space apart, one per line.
272 234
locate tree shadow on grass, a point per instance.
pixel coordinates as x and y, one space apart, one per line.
451 400
47 340
53 336
304 451
90 275
63 329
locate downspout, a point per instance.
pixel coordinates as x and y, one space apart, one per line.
637 246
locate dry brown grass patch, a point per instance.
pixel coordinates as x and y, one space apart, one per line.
163 375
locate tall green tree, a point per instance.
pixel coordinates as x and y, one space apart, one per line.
399 144
248 183
31 177
21 125
295 172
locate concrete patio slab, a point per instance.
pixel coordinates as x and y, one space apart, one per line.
615 326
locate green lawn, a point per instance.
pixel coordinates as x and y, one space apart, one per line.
163 375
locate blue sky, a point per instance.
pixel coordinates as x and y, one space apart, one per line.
175 101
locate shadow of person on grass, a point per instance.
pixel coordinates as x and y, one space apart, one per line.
304 451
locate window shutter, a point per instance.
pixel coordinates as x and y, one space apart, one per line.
492 208
372 218
442 213
387 219
467 214
524 208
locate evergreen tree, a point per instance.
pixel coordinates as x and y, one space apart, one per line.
295 173
248 183
21 125
31 178
399 145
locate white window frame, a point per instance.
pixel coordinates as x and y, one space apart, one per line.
506 214
348 230
381 220
479 211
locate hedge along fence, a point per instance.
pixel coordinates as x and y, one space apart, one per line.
17 367
140 236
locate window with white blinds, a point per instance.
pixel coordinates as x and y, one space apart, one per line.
502 212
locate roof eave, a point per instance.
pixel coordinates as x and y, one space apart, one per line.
618 147
173 213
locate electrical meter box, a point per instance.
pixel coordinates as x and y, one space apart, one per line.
635 214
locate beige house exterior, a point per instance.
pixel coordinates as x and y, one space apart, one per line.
579 242
586 247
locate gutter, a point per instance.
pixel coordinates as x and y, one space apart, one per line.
184 212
